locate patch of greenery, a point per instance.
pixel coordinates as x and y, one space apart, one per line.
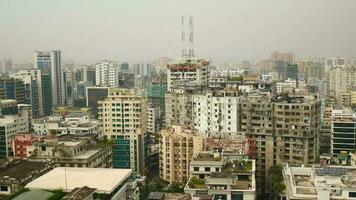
57 195
196 183
277 178
236 78
12 196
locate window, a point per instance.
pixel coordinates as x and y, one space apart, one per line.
352 194
4 189
196 169
207 169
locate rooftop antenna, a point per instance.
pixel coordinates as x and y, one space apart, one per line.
191 38
184 54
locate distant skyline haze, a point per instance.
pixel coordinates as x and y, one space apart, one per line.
226 30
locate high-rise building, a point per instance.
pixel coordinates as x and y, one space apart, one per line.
69 84
51 62
107 74
11 88
7 66
89 74
156 92
334 62
46 92
123 118
177 147
33 78
340 80
283 56
188 72
58 98
42 60
216 113
285 130
179 106
343 131
95 94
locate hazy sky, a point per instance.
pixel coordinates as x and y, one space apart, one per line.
88 30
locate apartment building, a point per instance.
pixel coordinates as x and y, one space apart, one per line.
177 146
190 71
123 119
222 177
285 130
107 74
216 113
179 103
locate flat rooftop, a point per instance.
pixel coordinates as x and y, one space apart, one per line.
105 180
86 154
21 169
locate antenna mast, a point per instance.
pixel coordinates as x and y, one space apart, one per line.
191 38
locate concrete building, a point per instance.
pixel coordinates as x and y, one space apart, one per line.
343 131
33 78
74 151
216 113
223 177
11 124
123 119
283 56
334 62
75 123
179 106
188 71
177 146
16 173
107 74
332 182
340 80
284 130
22 145
154 124
286 87
325 131
114 184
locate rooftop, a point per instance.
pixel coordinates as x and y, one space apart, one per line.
79 193
20 169
207 157
105 180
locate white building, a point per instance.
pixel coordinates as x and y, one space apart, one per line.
188 71
74 123
153 119
287 86
107 74
216 112
10 125
332 182
114 184
224 177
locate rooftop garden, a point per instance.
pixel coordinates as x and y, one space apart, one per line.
207 157
238 166
196 183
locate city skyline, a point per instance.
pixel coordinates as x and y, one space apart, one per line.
229 31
